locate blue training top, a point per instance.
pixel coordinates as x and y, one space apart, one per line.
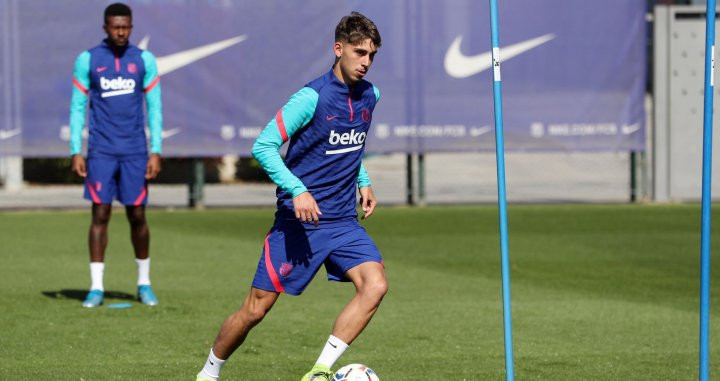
326 123
115 82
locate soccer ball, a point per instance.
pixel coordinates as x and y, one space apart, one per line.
355 372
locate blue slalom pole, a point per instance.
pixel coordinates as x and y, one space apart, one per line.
502 202
706 182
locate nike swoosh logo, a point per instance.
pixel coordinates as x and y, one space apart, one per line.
629 129
101 69
458 65
7 134
477 131
169 63
165 133
331 117
168 133
333 345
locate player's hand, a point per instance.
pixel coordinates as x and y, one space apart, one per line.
368 202
306 209
153 166
78 165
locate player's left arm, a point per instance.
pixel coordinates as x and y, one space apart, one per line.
368 202
153 98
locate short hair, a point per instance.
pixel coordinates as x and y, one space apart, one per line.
117 9
355 28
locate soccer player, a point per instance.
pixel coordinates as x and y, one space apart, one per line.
114 77
326 123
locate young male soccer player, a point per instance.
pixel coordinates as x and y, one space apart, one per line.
316 224
114 77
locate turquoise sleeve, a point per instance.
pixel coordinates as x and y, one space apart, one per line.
153 98
363 177
296 113
79 100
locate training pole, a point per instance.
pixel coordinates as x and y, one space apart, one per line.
706 183
502 202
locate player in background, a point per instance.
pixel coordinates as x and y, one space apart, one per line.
326 123
114 77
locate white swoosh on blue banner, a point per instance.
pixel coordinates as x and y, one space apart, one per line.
628 129
169 63
165 133
171 132
477 131
458 65
7 134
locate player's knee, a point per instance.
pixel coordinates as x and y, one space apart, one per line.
136 217
136 221
375 289
253 314
381 288
101 219
98 221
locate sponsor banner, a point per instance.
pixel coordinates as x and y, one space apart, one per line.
573 75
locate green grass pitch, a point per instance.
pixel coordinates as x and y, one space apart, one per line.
599 292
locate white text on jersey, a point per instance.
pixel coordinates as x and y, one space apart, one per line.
119 86
350 137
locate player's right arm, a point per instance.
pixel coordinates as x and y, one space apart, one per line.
78 106
293 116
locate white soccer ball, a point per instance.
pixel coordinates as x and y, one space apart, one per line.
355 372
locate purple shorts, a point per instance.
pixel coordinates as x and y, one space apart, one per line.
293 253
123 179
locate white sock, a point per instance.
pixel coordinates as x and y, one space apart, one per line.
96 275
143 266
334 348
212 367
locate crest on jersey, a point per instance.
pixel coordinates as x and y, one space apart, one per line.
132 68
285 269
366 115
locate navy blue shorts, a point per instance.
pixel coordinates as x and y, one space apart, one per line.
123 179
292 255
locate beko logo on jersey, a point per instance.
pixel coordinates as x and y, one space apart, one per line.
118 83
347 138
350 137
117 86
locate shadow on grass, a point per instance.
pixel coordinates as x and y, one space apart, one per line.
80 294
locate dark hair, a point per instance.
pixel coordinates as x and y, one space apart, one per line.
355 28
117 9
